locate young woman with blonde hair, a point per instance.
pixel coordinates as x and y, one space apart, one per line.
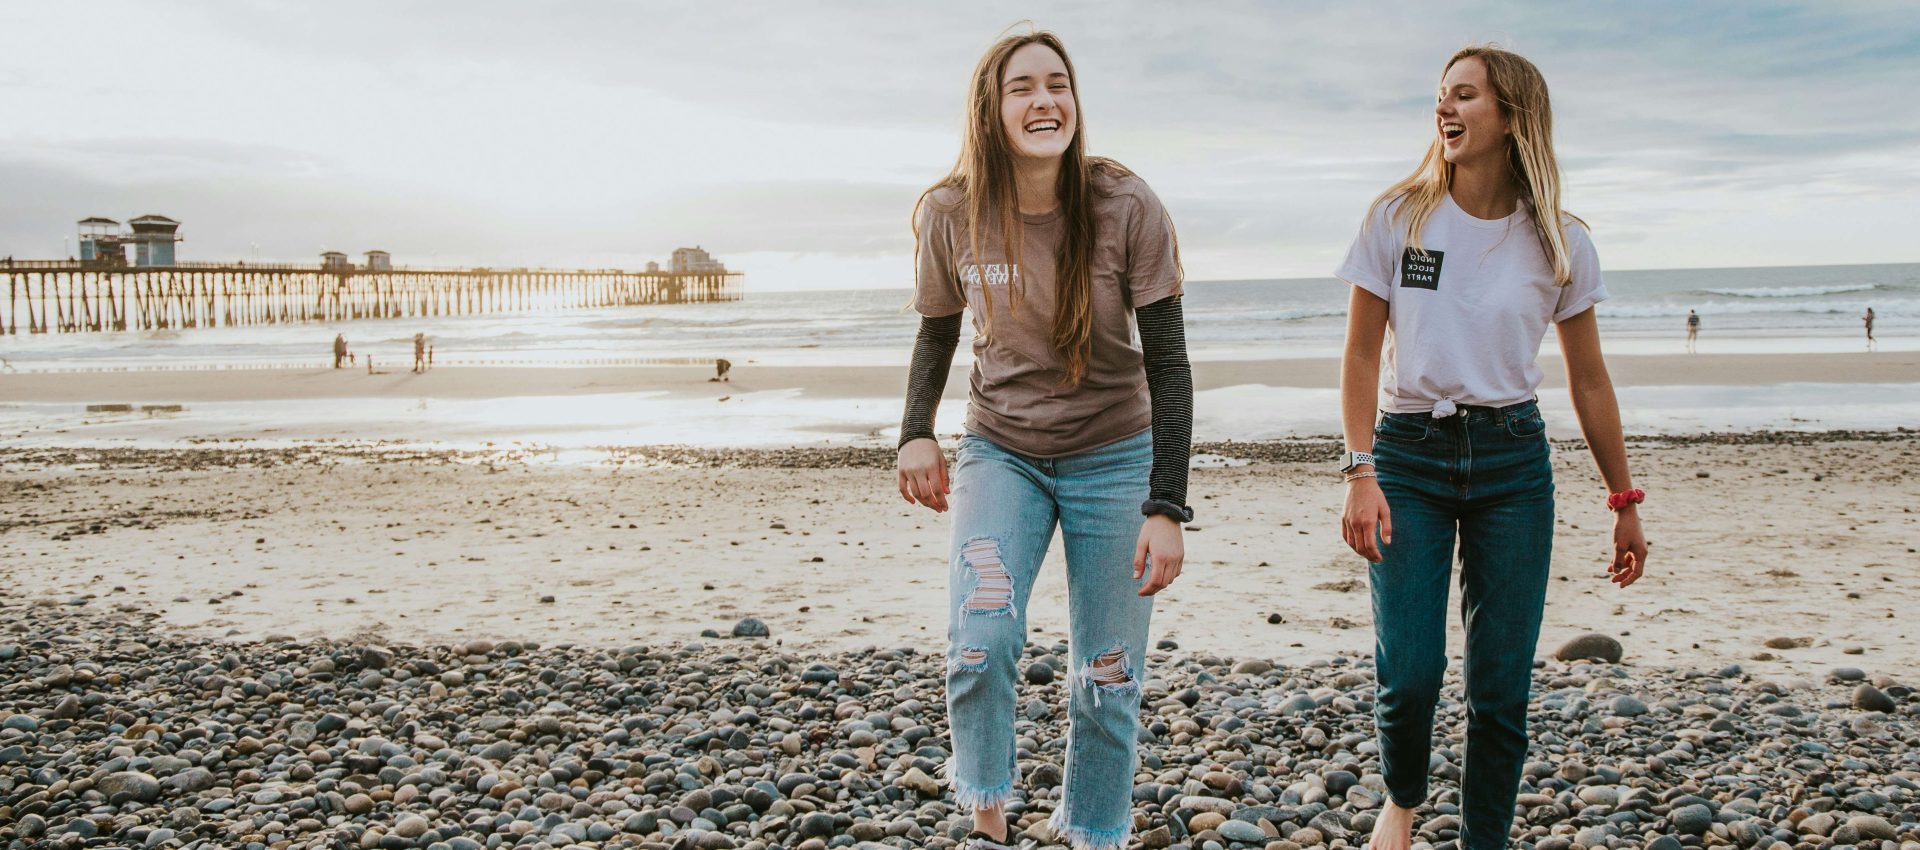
1461 267
1058 256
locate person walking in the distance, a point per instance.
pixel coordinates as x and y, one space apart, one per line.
339 349
1868 319
721 367
420 352
1693 330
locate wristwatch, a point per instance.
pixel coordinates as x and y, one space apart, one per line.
1354 460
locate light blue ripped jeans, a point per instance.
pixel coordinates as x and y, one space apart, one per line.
1005 507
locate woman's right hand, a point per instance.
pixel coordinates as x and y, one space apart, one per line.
923 474
1366 511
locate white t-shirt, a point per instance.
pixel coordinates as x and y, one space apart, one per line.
1464 323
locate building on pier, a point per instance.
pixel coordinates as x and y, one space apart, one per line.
153 239
379 261
104 245
100 242
696 260
335 261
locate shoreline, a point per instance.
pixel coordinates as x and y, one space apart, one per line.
1313 448
851 382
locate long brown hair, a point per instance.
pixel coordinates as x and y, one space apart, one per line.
984 178
1522 94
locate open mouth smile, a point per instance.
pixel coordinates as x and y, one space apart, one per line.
1044 125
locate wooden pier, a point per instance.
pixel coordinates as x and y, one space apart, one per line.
69 297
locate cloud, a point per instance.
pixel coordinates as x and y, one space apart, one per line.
600 132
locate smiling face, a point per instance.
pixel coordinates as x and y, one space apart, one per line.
1037 109
1468 116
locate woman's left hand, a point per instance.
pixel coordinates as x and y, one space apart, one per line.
1159 554
1629 547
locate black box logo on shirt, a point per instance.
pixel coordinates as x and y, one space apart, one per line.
1420 270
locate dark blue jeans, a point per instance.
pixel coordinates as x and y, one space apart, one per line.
1481 477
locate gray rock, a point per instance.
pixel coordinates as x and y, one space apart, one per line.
1691 820
1846 674
129 785
1299 704
816 825
1600 795
411 826
1627 706
1241 831
1040 673
1747 833
67 708
497 751
1873 826
192 780
1589 646
20 723
750 628
1869 698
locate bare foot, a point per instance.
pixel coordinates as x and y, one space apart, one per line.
1394 828
993 822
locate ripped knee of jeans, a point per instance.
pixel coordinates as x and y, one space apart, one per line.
968 659
993 585
1109 672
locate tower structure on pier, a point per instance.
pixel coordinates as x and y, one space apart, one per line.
153 238
100 242
104 245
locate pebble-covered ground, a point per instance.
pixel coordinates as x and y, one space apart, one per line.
116 732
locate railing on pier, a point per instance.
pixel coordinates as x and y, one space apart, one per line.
67 297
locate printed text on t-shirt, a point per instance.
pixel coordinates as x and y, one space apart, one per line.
1420 270
996 274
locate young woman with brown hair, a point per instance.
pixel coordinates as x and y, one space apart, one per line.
1058 256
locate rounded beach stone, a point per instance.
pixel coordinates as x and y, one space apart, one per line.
1589 646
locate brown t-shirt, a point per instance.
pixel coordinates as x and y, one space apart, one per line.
1018 399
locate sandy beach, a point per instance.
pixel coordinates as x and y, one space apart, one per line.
1806 539
224 632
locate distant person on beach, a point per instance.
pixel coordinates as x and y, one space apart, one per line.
339 349
419 352
1057 255
1461 267
1868 319
720 369
1693 329
429 355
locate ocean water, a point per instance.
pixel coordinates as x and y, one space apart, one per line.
1810 309
1771 310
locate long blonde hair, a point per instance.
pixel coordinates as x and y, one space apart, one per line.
984 178
1522 94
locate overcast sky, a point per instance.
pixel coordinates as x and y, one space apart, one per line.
791 138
